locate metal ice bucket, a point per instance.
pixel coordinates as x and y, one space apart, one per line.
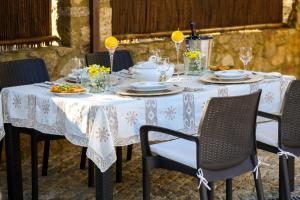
203 44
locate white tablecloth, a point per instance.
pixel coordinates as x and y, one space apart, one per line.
103 121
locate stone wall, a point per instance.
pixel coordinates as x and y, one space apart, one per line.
274 49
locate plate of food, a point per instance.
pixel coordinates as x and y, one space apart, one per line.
223 67
67 89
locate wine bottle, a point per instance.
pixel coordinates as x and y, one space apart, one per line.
193 32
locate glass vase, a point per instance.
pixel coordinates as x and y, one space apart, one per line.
193 66
100 83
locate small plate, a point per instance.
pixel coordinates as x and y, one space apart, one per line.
125 91
230 79
232 74
148 89
148 85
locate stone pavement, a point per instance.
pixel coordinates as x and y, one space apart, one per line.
66 181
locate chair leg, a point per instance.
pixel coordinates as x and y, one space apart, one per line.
228 189
83 158
129 152
146 180
1 144
211 193
91 172
119 165
258 186
291 169
203 192
34 167
284 187
46 157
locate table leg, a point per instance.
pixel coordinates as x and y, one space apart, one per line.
13 163
104 185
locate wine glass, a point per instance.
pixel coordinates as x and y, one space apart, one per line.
246 56
177 37
154 55
78 64
163 67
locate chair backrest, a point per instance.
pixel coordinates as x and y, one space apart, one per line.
22 72
290 126
227 131
122 59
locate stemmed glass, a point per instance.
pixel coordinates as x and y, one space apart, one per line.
246 56
111 44
163 67
177 37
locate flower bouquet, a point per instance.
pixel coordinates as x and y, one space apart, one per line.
99 78
193 63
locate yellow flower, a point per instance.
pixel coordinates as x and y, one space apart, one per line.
192 54
93 70
104 69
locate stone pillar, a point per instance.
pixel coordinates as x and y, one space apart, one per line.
105 20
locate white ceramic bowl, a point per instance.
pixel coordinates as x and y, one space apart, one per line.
148 72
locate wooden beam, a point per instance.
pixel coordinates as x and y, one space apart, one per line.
33 40
94 26
202 31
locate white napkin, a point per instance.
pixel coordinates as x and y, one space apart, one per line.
268 74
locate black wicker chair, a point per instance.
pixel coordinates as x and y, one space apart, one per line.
1 144
283 132
122 60
225 147
23 72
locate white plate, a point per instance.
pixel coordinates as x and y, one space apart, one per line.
231 78
148 89
232 74
64 94
148 85
125 91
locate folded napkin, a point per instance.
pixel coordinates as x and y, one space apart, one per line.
268 74
124 73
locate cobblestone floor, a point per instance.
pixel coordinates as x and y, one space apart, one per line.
66 181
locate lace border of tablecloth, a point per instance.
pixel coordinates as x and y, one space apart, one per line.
102 163
76 140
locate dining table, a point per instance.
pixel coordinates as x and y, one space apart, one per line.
103 121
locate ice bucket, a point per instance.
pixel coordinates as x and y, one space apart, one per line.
203 44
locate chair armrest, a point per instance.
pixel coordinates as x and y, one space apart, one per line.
144 130
272 116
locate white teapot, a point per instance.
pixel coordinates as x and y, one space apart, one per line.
151 70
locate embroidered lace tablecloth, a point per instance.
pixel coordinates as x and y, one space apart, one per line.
103 121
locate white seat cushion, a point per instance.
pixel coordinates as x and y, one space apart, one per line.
184 151
267 133
180 150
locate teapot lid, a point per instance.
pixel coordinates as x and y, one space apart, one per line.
150 64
